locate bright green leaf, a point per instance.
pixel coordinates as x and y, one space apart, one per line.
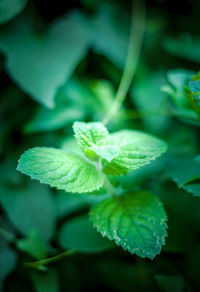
89 135
78 233
66 171
135 221
136 150
108 152
10 8
93 140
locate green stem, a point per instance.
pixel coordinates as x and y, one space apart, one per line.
134 48
108 186
6 235
41 264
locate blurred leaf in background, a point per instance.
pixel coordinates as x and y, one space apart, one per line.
41 62
10 8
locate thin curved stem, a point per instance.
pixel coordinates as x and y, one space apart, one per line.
134 48
41 264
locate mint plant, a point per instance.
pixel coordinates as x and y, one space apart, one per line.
98 215
134 220
184 91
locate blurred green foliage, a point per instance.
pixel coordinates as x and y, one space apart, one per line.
62 62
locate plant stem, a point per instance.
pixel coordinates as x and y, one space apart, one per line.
134 48
40 264
6 235
108 186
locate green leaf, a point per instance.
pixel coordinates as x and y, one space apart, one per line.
89 135
78 233
178 79
127 273
8 261
10 8
53 119
194 88
111 33
66 171
78 93
149 99
193 188
186 103
135 221
169 283
108 152
104 91
185 172
23 207
136 150
70 143
93 140
68 203
183 224
184 46
34 245
40 64
47 281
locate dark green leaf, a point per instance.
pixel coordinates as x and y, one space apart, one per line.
79 234
10 8
47 282
34 245
8 261
169 283
135 221
40 64
30 208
